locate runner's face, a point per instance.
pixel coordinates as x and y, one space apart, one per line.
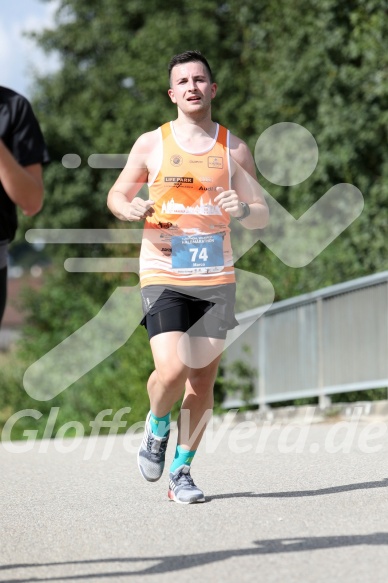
191 88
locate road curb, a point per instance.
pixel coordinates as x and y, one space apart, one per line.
367 411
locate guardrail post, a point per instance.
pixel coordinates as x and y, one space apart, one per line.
323 400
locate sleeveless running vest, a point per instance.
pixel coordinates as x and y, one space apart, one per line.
187 240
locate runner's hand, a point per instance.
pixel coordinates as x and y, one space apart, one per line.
137 209
228 200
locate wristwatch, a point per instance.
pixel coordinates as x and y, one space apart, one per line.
246 211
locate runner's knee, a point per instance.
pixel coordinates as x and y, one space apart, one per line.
172 378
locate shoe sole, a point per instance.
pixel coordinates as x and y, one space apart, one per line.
172 497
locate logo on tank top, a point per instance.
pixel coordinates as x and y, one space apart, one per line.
215 162
181 179
165 225
176 160
178 181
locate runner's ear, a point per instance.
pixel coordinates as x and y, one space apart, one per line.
171 95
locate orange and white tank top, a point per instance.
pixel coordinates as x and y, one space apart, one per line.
187 240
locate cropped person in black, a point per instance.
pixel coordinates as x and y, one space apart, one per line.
22 153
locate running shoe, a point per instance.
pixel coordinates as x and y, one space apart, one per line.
152 453
182 488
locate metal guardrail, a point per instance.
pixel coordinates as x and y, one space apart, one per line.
329 341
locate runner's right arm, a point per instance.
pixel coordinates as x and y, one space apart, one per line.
122 199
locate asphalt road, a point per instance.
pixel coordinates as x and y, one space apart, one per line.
284 504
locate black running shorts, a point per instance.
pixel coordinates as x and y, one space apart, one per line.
181 309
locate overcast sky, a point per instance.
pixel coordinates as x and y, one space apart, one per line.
18 55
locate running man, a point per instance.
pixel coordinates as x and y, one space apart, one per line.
200 177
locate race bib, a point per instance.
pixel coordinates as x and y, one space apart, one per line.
197 253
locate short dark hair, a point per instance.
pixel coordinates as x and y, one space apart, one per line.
189 57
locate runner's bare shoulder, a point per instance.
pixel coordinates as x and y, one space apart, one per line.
241 155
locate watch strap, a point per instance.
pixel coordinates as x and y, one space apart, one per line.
246 211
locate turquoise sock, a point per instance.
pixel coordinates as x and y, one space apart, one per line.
182 457
160 425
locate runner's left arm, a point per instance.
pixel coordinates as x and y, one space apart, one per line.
245 189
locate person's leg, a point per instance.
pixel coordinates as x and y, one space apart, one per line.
198 400
196 411
165 387
166 383
172 376
183 361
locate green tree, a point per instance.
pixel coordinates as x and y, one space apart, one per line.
323 64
